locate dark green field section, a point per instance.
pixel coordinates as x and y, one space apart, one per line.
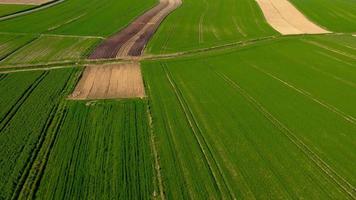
335 15
79 17
28 105
102 151
271 121
52 48
6 9
205 23
53 148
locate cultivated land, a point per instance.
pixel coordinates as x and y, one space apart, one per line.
226 106
9 9
24 2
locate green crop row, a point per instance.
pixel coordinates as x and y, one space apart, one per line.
198 24
273 121
10 43
24 121
102 151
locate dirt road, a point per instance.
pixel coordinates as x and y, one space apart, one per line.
286 19
132 40
28 2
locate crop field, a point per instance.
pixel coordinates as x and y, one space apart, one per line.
28 105
254 124
52 48
336 15
6 9
178 99
10 43
206 23
106 147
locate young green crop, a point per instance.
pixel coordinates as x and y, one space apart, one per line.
258 122
11 43
52 48
198 24
79 17
335 15
102 151
24 126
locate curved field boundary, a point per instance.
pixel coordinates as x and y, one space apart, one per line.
286 19
132 40
31 10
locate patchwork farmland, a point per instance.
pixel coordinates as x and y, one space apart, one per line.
170 99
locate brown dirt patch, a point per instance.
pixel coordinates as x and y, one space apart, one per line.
28 2
286 19
110 82
132 40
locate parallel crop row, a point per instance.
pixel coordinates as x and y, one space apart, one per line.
24 122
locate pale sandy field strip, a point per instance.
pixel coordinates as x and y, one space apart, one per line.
110 82
286 19
27 2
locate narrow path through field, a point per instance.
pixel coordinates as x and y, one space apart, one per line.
286 19
133 39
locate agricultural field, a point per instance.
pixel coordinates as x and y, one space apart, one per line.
336 15
205 23
171 99
52 48
254 124
6 9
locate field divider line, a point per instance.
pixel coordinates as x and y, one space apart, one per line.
314 157
307 94
197 132
155 154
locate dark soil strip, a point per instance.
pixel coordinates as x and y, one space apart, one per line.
110 47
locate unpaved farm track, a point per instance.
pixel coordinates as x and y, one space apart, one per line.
110 82
28 2
286 19
132 40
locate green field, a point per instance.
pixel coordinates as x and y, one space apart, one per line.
262 121
29 101
6 9
52 48
102 151
235 111
335 15
205 23
79 17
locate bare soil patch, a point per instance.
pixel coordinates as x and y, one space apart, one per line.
286 19
28 2
110 82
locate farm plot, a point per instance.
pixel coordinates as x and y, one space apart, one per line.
10 43
24 2
102 152
335 15
9 9
256 123
25 120
52 48
205 23
79 17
